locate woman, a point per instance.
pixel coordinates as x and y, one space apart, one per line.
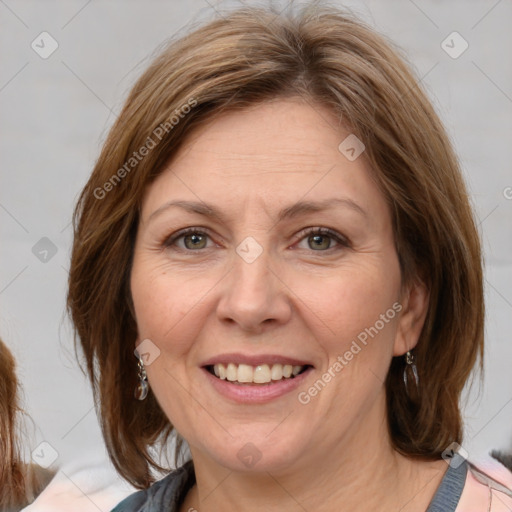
20 483
81 486
277 228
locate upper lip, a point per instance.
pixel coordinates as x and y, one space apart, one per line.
254 360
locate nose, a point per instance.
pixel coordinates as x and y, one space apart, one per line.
254 295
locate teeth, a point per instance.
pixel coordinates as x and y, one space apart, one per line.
261 374
277 372
245 373
232 372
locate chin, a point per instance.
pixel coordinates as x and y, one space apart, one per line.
257 454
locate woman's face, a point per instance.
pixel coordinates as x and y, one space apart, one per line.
287 265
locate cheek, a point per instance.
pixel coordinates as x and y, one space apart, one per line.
356 325
351 300
359 312
166 304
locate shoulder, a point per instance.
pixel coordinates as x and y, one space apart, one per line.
168 492
86 485
488 486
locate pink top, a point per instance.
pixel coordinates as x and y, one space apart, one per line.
488 488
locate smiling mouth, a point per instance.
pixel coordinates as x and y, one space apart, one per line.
245 374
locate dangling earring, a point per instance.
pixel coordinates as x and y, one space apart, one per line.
410 364
141 391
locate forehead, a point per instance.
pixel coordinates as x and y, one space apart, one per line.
286 132
270 154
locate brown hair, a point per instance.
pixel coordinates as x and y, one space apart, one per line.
252 55
20 483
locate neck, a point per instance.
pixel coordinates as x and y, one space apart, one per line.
362 472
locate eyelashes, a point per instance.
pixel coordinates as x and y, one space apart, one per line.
319 234
195 239
196 234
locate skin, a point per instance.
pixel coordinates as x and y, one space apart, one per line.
295 299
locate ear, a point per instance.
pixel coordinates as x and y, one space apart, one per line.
414 301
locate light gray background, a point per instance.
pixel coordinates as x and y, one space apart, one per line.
56 112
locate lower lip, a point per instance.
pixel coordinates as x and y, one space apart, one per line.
256 393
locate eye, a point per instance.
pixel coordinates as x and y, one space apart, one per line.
191 239
317 239
322 239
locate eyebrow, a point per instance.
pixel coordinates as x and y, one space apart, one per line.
295 210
